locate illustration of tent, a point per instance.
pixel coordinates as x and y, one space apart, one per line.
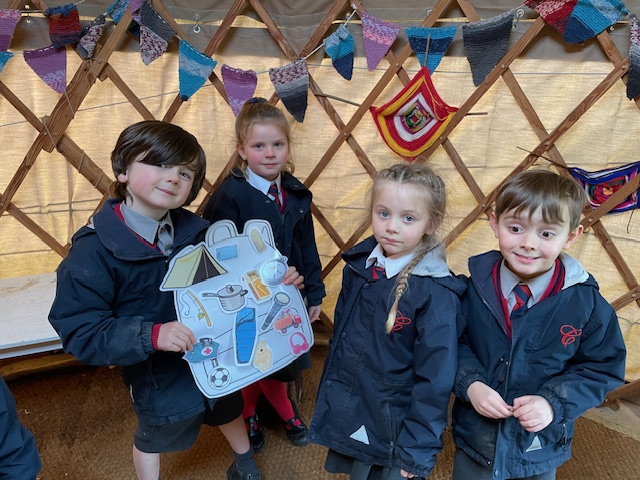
191 268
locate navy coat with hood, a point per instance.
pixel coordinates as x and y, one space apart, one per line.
568 348
383 397
107 301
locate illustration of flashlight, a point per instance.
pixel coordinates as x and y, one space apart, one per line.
280 299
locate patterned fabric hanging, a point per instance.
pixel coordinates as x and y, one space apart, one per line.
89 37
292 85
116 10
8 21
155 34
633 79
135 6
4 58
378 37
240 86
64 25
555 12
413 120
486 42
50 64
439 40
340 47
194 68
600 185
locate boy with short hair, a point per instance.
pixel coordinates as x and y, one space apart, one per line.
541 344
108 308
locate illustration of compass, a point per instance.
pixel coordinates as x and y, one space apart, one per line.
272 271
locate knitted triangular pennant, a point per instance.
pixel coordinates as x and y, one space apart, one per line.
117 9
555 12
4 58
8 21
340 47
64 25
89 37
600 185
50 64
135 6
486 42
292 84
412 121
194 68
439 40
240 86
378 37
590 17
633 79
155 34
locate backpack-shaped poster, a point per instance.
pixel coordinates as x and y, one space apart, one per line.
229 291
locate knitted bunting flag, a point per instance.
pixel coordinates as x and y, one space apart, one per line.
439 40
194 68
340 47
4 58
89 37
64 25
240 86
155 34
378 37
486 42
590 17
8 21
555 12
292 84
412 121
135 6
117 9
602 184
633 79
50 64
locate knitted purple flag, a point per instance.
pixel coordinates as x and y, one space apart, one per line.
486 42
50 64
8 21
4 58
292 84
590 17
64 25
194 68
439 40
378 37
135 6
240 86
633 79
89 37
340 47
155 34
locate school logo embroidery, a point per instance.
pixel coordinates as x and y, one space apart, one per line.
569 334
400 322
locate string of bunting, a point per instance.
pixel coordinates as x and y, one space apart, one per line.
485 43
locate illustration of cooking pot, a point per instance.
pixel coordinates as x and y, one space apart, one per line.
231 297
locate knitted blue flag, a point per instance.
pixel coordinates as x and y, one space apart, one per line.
590 17
340 47
486 42
439 40
4 58
292 85
194 68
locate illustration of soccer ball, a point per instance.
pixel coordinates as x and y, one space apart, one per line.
220 378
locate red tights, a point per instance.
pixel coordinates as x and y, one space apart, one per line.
276 393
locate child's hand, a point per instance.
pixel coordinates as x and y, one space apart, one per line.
406 474
293 277
533 412
175 337
314 312
487 401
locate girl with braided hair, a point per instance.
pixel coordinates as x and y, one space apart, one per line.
383 397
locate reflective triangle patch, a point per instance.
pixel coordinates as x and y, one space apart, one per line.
535 445
360 435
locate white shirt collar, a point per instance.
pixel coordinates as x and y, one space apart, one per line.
392 266
260 183
537 285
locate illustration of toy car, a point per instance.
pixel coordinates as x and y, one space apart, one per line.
287 320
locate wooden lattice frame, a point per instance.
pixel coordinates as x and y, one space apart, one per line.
52 128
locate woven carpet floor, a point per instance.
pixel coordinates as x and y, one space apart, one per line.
84 425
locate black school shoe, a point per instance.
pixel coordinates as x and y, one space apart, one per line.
256 438
234 473
297 431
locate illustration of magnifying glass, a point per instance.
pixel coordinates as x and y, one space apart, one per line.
280 299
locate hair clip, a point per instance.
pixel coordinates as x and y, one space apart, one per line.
257 100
